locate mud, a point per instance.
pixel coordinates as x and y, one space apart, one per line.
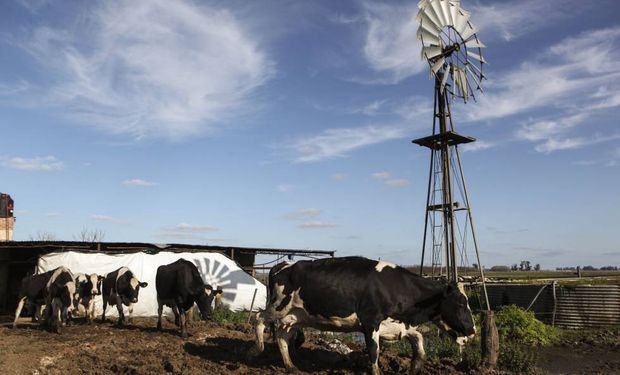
216 348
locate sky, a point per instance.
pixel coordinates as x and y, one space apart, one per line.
288 124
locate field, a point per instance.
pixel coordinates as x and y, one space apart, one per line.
222 348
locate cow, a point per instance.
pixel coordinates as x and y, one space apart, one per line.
121 287
355 294
59 298
88 287
32 291
179 285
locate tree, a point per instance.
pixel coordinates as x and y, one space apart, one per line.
514 267
525 265
537 267
86 235
502 268
42 236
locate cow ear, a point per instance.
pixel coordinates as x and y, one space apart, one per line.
143 284
100 278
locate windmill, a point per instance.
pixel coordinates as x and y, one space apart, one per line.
453 51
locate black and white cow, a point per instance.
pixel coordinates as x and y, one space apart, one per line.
88 287
61 291
381 300
32 291
179 285
118 288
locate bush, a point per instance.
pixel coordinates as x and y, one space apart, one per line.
517 326
440 346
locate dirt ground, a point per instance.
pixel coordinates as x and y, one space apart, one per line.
216 348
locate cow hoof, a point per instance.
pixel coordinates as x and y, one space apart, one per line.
184 335
159 326
416 367
292 370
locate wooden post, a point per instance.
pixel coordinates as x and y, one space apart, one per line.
252 305
489 340
555 304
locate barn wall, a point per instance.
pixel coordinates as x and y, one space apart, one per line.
6 228
577 306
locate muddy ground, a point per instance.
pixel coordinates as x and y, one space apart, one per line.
217 348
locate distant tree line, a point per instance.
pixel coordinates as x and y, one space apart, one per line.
588 268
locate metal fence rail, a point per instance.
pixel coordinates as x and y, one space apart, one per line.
580 306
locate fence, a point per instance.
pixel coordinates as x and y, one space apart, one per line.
579 306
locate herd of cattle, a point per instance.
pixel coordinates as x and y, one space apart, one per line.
350 294
59 293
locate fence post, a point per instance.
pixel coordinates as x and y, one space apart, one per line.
489 339
555 303
252 305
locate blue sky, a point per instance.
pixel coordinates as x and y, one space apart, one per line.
288 124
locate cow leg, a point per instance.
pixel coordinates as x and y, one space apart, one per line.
260 332
283 338
119 307
90 312
18 311
38 312
372 344
183 323
56 322
417 346
130 309
105 306
160 310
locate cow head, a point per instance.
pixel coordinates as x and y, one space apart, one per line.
94 284
455 312
205 300
129 288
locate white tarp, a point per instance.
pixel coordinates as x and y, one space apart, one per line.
216 269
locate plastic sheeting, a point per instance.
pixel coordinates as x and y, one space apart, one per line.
216 269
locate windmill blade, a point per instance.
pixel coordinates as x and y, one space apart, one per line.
437 65
469 31
429 27
425 16
428 37
477 57
474 76
444 79
477 70
463 83
474 43
461 20
435 6
454 12
430 51
445 11
422 4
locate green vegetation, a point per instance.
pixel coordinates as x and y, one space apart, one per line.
516 325
223 315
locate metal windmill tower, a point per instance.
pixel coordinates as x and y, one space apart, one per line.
453 52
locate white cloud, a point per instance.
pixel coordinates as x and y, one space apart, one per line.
189 228
106 218
556 144
40 163
150 69
339 142
511 20
303 213
566 75
381 175
391 45
479 145
397 182
284 188
53 214
139 182
316 225
339 176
